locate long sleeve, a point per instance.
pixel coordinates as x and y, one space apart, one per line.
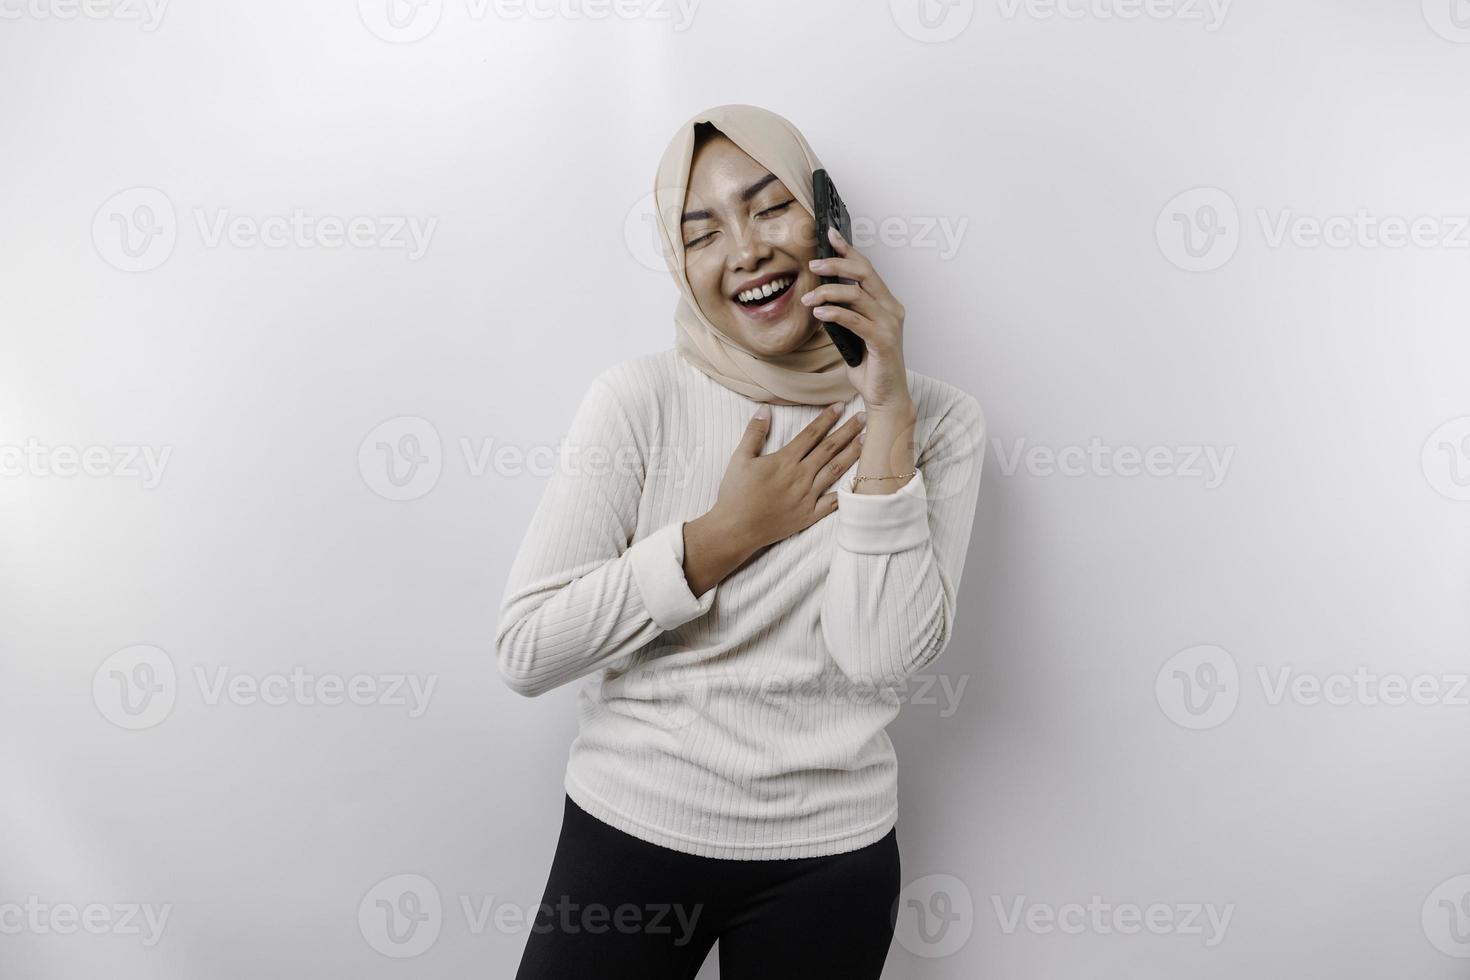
578 595
888 608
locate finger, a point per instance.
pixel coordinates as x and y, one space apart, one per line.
754 438
848 258
843 293
840 464
826 504
855 266
803 441
835 442
842 268
838 242
851 319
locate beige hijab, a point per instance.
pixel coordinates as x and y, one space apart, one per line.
813 374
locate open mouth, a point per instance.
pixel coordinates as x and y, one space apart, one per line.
765 294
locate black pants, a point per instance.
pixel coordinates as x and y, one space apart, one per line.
616 906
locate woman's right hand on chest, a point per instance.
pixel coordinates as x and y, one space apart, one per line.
767 498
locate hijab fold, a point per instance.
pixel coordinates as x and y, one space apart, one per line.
814 373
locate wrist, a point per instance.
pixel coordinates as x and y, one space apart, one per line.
722 536
902 413
887 459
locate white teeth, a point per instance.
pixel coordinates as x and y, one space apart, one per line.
760 292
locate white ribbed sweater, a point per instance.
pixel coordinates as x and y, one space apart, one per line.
747 722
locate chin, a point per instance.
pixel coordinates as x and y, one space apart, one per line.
779 338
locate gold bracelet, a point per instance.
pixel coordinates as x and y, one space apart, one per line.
858 479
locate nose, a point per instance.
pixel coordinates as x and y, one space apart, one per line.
750 247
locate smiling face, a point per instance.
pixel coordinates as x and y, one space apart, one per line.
745 235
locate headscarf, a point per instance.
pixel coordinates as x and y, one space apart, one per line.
814 373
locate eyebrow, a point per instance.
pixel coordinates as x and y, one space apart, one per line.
745 195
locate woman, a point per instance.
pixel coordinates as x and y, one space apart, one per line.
732 778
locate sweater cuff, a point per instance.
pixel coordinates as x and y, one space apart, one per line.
658 568
883 523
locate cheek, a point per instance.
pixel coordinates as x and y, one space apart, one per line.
704 277
797 236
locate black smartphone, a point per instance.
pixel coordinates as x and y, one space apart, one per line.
831 212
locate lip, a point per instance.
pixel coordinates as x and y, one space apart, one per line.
752 283
776 308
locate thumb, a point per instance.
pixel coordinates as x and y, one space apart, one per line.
756 429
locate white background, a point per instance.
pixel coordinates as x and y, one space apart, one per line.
1058 143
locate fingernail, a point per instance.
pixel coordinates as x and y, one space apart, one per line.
836 407
816 264
822 312
764 412
807 298
861 436
861 417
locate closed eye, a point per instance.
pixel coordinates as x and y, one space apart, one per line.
775 209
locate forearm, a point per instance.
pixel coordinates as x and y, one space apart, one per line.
553 631
892 589
884 617
711 552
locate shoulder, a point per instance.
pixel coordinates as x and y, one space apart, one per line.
640 372
946 411
637 385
